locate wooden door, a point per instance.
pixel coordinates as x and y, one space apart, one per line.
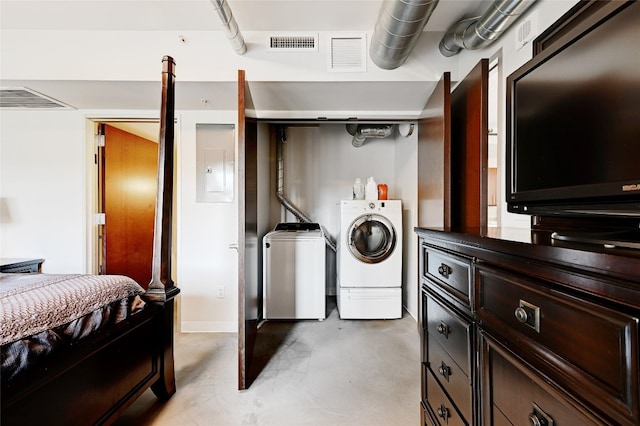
129 195
248 238
434 158
469 146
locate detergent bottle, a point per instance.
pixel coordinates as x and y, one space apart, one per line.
371 189
358 190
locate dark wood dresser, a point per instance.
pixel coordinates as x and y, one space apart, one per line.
517 329
20 265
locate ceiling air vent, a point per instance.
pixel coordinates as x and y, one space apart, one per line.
297 42
347 53
21 98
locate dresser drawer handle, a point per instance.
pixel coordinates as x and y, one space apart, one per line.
444 370
445 270
443 329
443 412
537 417
537 421
521 315
528 314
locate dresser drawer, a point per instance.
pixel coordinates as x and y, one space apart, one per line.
520 397
590 349
451 273
443 409
451 377
451 331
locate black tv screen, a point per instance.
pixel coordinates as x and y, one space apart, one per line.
573 125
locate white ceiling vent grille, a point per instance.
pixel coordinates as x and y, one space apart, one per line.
347 53
289 42
21 98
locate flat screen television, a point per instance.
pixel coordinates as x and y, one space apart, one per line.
573 124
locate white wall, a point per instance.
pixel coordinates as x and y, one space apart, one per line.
321 166
205 232
43 166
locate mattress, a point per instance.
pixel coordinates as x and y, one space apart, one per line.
41 313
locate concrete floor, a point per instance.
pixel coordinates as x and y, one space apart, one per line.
331 372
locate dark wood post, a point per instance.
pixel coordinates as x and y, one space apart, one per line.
161 282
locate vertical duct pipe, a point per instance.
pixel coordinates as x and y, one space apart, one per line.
230 26
479 32
286 203
400 24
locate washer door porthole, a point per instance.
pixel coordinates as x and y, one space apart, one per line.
372 238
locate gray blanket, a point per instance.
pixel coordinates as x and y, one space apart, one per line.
40 313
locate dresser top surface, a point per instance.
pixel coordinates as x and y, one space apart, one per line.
619 267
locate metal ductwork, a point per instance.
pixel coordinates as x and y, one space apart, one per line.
400 24
280 195
475 33
360 133
230 26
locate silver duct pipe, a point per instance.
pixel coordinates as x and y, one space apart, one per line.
400 24
479 32
358 141
230 26
286 203
360 133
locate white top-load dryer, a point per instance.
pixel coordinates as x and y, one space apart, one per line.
294 265
369 259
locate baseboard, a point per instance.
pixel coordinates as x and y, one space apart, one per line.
209 327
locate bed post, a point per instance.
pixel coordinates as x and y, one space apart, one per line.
162 290
161 283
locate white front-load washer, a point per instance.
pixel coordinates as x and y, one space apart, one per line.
369 259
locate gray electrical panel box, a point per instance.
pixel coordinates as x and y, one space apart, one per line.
215 163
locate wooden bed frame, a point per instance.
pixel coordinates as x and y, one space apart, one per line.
95 380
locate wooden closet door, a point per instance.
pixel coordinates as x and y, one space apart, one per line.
248 241
469 146
434 158
130 184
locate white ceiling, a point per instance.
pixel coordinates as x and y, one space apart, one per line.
251 15
198 15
